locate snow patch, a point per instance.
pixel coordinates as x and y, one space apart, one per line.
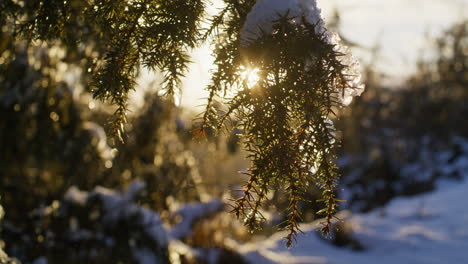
264 13
191 213
398 233
120 205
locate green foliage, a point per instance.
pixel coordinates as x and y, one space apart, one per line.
155 153
38 110
116 37
285 117
50 140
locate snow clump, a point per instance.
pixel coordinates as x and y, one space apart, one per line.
263 15
261 18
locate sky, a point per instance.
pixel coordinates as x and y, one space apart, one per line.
400 27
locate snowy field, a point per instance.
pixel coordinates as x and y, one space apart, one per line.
426 229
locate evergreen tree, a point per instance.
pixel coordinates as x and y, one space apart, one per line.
279 72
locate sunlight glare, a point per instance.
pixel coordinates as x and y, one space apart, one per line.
250 76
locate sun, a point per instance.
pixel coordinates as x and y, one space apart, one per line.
250 76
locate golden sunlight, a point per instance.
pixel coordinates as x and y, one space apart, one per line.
250 76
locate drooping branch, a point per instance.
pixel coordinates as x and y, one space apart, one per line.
115 37
285 115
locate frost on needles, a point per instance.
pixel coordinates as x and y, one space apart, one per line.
303 75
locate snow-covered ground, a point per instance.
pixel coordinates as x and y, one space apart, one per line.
426 229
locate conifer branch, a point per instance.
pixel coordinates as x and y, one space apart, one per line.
286 116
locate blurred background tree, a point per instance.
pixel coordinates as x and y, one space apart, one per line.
393 127
55 56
